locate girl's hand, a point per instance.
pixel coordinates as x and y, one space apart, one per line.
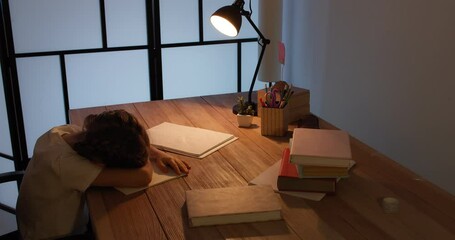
163 160
179 166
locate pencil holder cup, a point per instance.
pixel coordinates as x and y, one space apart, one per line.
274 121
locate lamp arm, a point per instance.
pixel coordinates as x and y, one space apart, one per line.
263 42
248 17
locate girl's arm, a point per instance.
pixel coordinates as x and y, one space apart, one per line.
125 177
140 177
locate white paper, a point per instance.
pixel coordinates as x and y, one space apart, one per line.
158 178
269 177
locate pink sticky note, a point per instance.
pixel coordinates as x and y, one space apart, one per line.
281 52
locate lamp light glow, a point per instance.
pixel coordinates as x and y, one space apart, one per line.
224 26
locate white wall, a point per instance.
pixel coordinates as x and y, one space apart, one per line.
382 70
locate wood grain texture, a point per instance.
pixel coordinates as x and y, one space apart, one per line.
99 215
274 121
354 212
425 209
136 215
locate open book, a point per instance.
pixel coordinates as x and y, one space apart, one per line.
189 141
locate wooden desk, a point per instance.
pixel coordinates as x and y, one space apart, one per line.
426 212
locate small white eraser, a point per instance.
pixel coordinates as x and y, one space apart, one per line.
390 204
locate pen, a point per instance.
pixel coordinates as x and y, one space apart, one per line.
287 99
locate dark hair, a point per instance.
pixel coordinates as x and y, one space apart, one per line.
114 138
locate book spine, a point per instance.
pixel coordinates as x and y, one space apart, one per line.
284 158
301 174
314 189
300 170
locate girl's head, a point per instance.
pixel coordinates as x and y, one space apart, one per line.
114 139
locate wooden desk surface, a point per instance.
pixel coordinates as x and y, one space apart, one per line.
426 211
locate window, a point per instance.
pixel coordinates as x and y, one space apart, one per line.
74 54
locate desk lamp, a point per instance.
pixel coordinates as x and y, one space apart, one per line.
228 21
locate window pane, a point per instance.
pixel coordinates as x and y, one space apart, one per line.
8 190
8 196
41 96
8 221
5 140
179 21
246 31
107 78
201 70
49 25
125 23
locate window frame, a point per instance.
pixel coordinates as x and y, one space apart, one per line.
154 48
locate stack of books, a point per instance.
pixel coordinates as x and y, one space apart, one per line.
315 161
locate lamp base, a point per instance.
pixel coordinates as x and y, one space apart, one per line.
236 108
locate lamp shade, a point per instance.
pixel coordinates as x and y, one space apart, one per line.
227 20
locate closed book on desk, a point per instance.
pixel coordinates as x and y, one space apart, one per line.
321 147
232 205
289 180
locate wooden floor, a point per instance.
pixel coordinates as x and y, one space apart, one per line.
426 211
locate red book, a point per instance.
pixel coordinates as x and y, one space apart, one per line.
288 179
